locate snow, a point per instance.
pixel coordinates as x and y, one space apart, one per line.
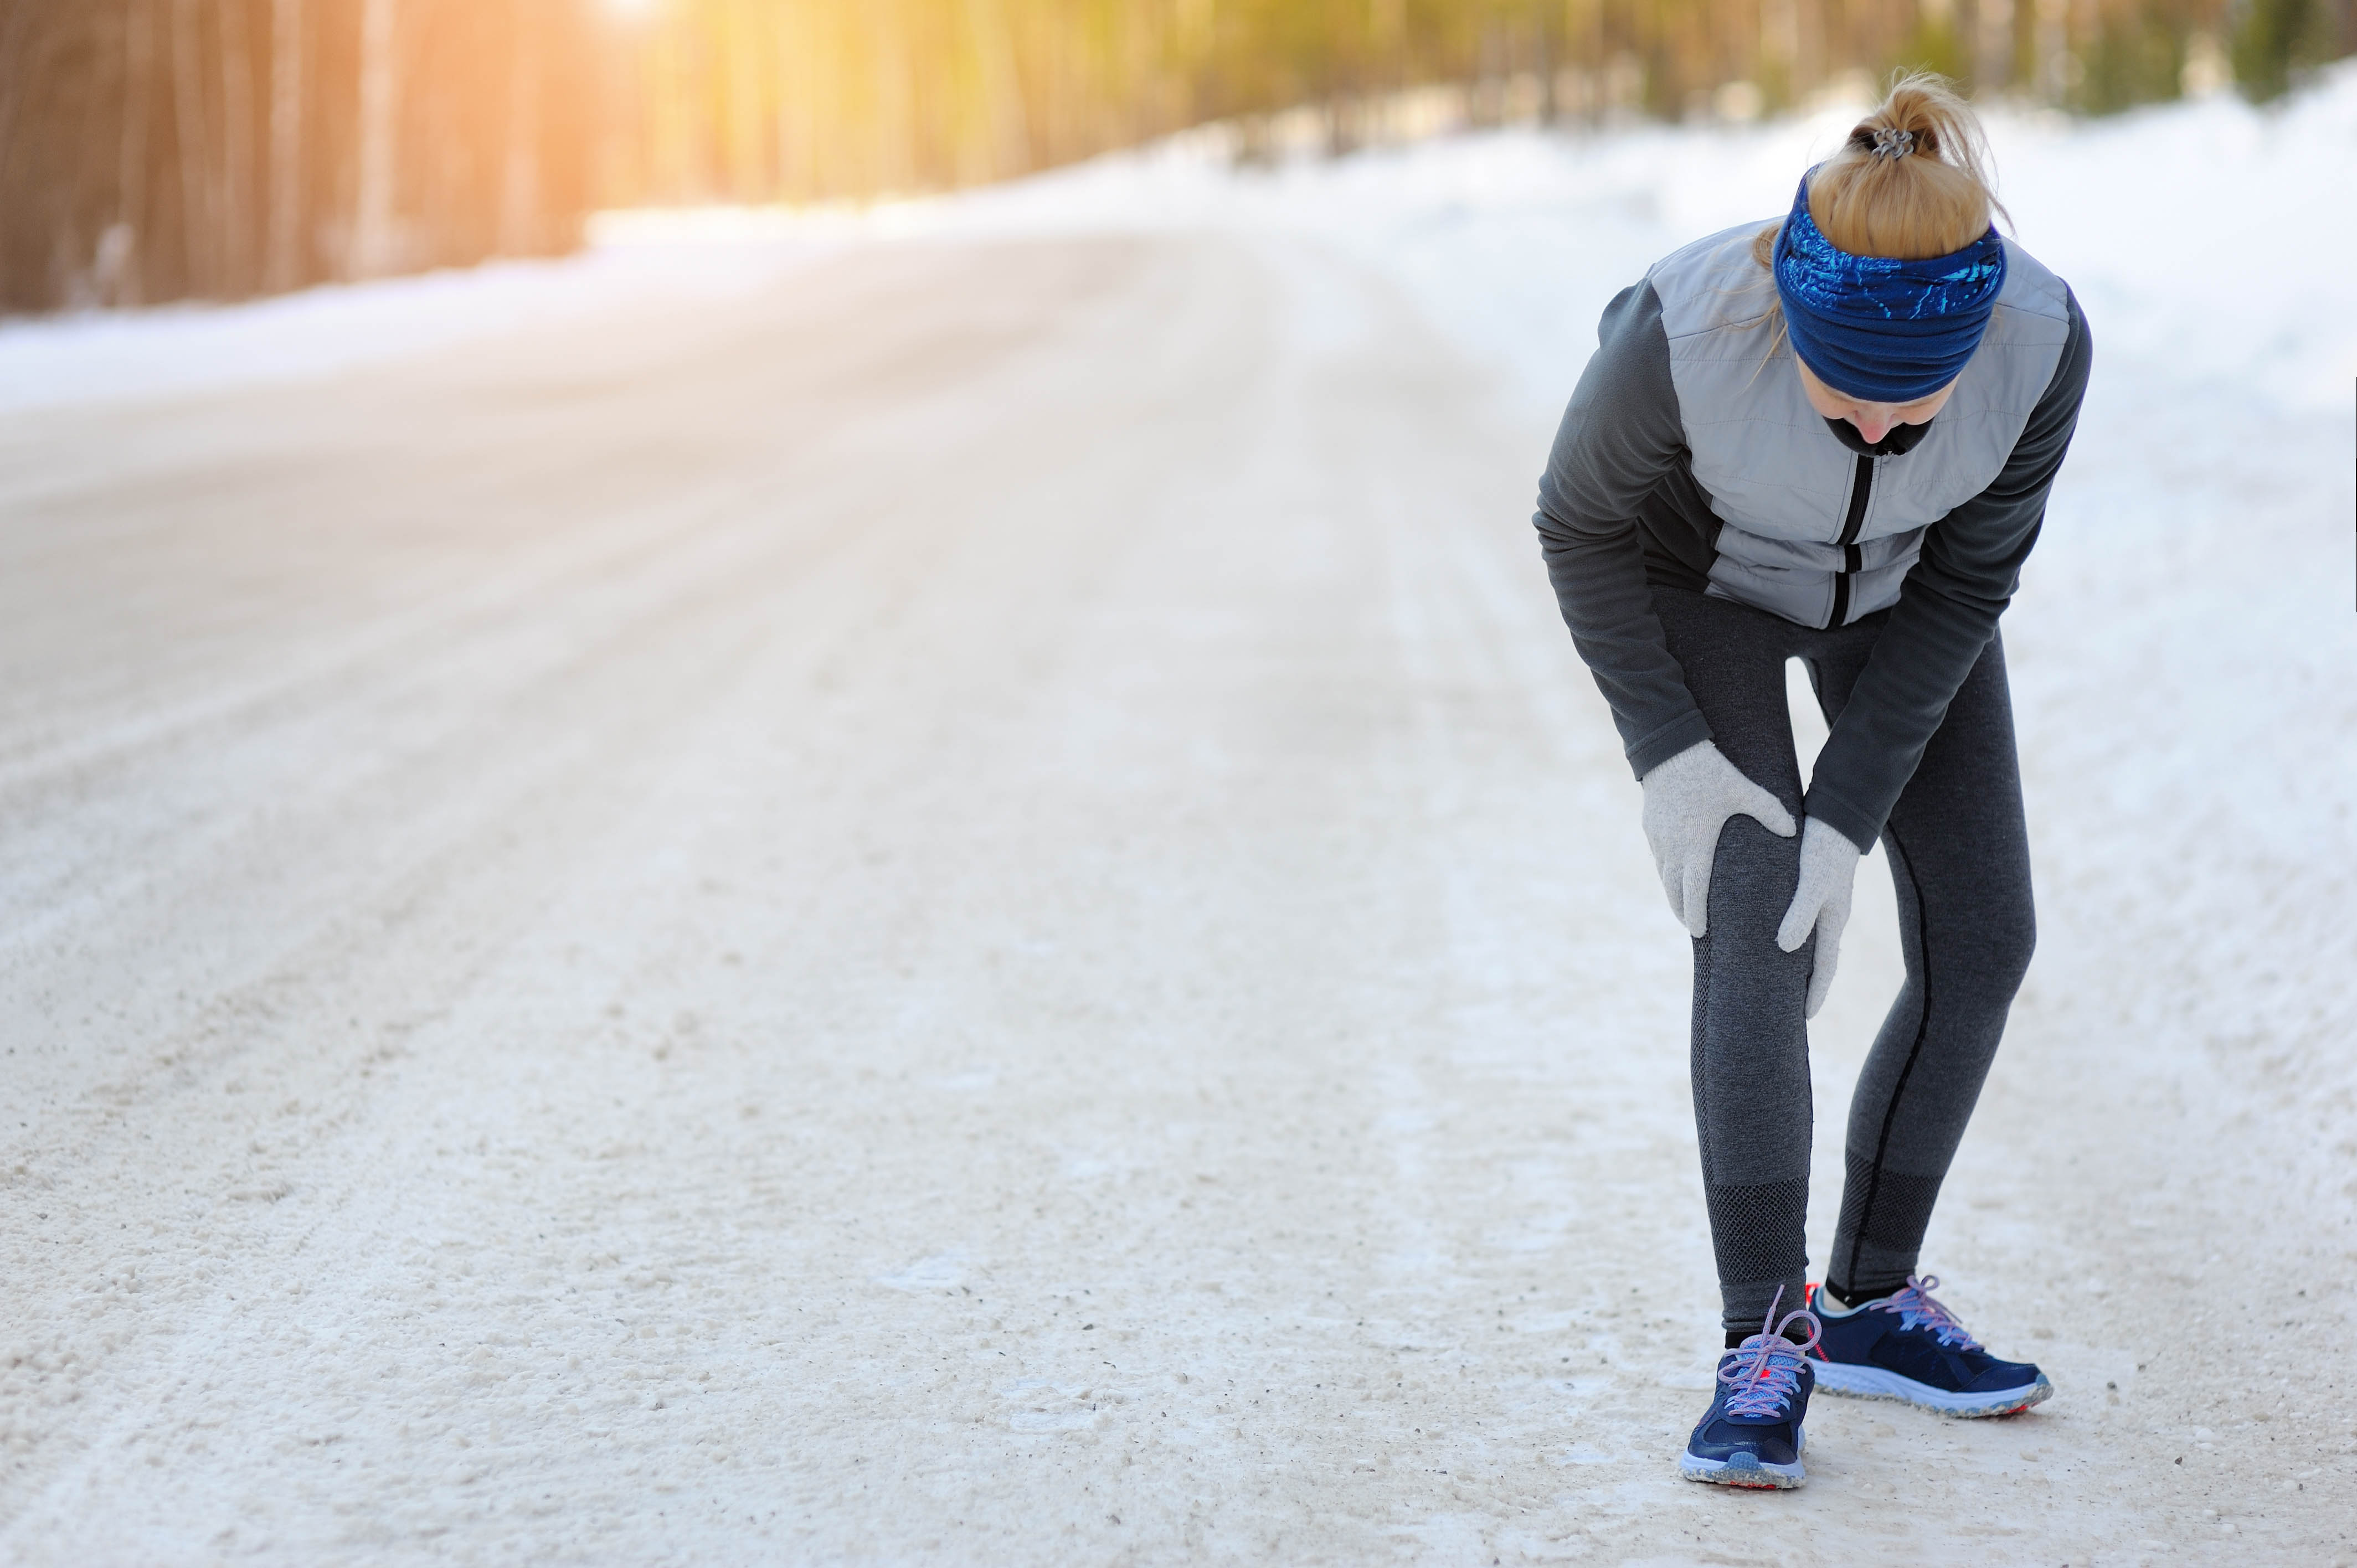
181 350
1512 240
931 886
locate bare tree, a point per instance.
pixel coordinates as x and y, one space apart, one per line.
122 252
285 267
236 164
748 171
520 194
895 167
1008 149
17 38
1993 60
375 244
810 98
196 215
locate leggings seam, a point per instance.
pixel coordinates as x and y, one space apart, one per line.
1702 1089
1898 1090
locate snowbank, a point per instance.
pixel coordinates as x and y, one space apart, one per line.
194 348
1513 239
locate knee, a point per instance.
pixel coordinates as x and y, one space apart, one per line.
2002 949
1967 921
1751 880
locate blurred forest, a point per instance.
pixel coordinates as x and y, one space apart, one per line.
161 149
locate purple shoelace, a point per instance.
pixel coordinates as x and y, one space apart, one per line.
1764 1372
1915 1308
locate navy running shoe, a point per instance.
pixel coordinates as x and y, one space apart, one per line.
1909 1346
1751 1436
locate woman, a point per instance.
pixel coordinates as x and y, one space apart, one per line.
1831 439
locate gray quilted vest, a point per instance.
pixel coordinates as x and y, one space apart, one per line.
1813 531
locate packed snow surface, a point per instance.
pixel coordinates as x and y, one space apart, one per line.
936 886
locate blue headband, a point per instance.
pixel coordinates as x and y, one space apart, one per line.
1884 331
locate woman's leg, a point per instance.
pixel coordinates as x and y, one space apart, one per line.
1960 862
1750 1047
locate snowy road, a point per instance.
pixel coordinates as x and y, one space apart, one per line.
968 910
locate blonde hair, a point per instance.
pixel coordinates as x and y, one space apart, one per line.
1934 197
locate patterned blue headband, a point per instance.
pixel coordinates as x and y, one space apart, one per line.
1879 329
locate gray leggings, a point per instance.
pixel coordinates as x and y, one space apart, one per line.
1960 860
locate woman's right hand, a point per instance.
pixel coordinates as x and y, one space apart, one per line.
1688 800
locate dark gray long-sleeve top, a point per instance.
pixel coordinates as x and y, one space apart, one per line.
1619 510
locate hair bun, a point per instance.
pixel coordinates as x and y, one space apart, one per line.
1893 142
1910 181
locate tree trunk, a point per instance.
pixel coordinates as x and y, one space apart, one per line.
748 176
809 121
794 103
1992 56
519 199
17 38
286 267
131 153
375 243
237 149
2053 42
895 164
188 130
1002 90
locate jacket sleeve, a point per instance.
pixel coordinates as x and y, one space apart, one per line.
1619 439
1947 611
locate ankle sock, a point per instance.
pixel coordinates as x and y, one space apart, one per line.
1846 1301
1736 1337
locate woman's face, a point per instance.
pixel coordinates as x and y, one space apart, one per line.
1874 420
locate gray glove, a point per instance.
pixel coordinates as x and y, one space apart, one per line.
1687 800
1828 868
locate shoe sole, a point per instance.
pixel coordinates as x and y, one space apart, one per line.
1744 1471
1876 1383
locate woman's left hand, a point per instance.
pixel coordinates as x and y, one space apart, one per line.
1828 867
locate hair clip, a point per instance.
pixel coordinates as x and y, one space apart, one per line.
1890 142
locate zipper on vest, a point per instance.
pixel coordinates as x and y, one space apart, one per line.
1861 491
